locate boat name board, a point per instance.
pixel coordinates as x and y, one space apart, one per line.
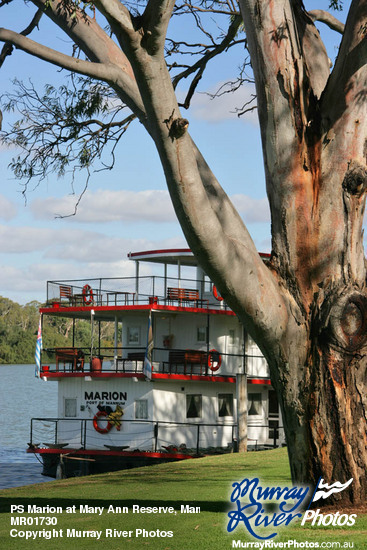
105 396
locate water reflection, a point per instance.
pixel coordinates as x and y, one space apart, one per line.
22 396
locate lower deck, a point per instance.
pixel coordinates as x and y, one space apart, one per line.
109 423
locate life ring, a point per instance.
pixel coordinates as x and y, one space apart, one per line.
214 360
97 427
87 295
216 294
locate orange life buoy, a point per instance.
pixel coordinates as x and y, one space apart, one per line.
214 360
97 427
216 294
87 295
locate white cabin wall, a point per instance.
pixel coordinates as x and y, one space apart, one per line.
170 400
134 434
130 324
183 332
170 405
256 364
226 336
87 408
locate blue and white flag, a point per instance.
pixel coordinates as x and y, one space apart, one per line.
147 369
37 355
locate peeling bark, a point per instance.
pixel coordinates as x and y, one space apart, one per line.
315 162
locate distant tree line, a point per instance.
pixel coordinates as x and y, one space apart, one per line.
19 326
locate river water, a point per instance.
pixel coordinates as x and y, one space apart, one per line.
22 396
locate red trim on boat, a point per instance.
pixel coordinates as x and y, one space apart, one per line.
155 376
145 307
195 377
100 452
175 251
162 251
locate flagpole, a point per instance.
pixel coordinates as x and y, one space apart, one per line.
37 355
147 367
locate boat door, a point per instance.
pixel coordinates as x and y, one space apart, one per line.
273 418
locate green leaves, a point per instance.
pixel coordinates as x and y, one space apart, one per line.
336 5
63 129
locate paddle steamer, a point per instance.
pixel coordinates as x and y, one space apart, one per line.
167 389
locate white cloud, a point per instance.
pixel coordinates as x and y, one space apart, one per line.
20 240
76 245
224 107
8 210
107 206
28 282
43 254
252 210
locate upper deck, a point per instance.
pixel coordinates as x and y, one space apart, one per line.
131 293
108 295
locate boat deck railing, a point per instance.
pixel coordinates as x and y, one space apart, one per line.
132 291
140 435
84 361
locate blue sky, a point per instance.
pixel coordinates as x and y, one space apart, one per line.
128 208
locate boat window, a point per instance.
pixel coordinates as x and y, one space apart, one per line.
254 404
207 284
193 405
133 335
273 403
225 404
69 407
201 333
141 409
231 337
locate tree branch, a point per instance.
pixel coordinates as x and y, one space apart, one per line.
200 65
99 47
226 251
156 18
86 34
117 15
350 70
231 9
8 48
86 68
327 18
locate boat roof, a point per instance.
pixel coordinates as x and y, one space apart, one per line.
172 256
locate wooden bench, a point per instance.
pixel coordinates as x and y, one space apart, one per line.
182 295
72 356
188 359
66 291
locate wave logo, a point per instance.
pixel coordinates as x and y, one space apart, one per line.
323 491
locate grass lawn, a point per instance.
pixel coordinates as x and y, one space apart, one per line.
204 483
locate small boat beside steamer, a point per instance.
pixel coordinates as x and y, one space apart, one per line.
167 389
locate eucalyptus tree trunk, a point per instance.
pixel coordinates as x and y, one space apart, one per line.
313 129
307 307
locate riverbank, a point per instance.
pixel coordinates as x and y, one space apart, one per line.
180 506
